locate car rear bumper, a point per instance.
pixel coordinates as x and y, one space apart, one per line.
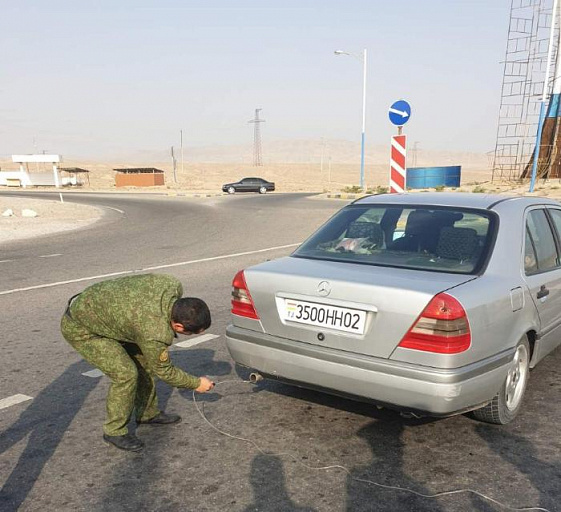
438 392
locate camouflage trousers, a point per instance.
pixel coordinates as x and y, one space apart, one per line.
132 387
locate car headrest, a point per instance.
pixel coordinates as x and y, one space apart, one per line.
370 230
418 221
457 243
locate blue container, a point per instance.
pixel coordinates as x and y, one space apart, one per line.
432 177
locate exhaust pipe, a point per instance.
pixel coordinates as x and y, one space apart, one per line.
255 377
410 415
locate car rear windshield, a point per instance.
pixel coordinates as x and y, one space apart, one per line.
414 237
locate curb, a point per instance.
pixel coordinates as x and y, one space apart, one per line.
186 194
343 196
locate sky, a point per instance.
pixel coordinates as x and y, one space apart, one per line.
97 79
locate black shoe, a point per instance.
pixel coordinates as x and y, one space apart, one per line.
127 442
161 419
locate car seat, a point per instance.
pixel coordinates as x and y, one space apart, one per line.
370 230
457 243
441 219
418 229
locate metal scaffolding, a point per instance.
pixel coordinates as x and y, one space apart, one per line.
525 69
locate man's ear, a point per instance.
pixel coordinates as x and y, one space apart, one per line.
177 327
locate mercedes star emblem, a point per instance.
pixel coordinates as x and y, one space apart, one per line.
324 288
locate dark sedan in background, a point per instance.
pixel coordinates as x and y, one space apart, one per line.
249 185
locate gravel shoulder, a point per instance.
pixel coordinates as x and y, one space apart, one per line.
52 217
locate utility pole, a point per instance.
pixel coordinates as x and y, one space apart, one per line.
35 151
329 172
257 138
174 164
415 153
181 136
321 160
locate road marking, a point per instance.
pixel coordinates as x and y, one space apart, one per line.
93 373
13 400
116 209
124 272
195 341
5 261
50 255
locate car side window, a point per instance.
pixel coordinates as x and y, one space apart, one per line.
556 216
530 258
540 237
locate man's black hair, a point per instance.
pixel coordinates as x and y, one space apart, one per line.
192 313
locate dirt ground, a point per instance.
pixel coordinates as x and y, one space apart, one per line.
288 177
53 217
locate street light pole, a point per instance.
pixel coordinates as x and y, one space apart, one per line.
363 119
362 137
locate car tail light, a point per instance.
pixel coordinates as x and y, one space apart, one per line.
242 303
442 327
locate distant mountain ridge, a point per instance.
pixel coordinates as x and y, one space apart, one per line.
297 151
303 151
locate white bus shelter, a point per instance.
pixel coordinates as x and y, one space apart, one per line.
29 179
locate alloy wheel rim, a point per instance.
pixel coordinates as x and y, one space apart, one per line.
516 378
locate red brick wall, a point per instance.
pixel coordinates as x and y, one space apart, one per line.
138 179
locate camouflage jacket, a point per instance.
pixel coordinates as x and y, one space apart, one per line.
136 309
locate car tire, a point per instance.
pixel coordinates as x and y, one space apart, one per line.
231 190
507 403
262 190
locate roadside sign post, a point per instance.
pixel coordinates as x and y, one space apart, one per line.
398 176
399 113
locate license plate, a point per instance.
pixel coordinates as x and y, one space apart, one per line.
324 315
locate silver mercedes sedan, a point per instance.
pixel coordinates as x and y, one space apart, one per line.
430 303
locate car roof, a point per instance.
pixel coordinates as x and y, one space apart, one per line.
457 199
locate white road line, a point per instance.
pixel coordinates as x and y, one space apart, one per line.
124 272
116 209
5 261
93 373
195 341
226 256
50 255
13 400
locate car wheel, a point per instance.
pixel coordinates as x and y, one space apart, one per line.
507 402
262 190
231 190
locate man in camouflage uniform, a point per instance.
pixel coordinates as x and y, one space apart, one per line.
124 327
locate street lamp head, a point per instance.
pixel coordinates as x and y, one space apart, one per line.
340 52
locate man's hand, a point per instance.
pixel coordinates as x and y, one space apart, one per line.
206 385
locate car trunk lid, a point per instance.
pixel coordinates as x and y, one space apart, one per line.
382 302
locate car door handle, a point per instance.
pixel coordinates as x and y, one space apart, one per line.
544 292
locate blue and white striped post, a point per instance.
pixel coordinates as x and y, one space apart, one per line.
544 95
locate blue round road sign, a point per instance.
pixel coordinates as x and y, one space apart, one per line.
400 112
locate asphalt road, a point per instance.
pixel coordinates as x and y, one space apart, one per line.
51 453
